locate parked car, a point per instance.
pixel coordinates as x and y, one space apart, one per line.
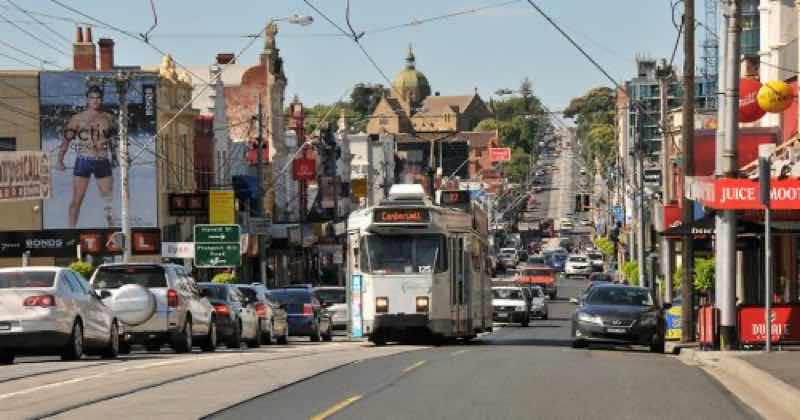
536 260
541 276
53 311
273 318
334 299
509 305
306 316
619 314
597 261
538 307
158 303
558 261
578 265
237 320
601 278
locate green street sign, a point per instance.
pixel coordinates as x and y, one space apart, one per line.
216 246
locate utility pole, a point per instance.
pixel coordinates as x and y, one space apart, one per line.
726 221
640 205
687 137
262 260
664 76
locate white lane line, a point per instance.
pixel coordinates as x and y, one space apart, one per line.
458 352
414 366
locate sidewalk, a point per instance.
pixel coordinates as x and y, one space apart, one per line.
769 383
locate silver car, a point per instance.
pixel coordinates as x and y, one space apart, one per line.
53 311
158 304
334 300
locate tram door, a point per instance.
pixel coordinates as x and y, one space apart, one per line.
466 289
457 284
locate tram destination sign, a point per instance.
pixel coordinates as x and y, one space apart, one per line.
402 216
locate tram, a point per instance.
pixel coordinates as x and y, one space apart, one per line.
422 268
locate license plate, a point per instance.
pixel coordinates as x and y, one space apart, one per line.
502 315
617 330
5 326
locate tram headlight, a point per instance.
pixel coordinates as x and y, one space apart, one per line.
382 304
422 303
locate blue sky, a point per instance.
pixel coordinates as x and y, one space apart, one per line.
490 49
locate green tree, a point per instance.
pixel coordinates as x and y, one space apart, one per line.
630 270
605 246
83 268
224 278
364 98
704 270
594 118
516 169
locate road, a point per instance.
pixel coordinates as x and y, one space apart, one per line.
514 373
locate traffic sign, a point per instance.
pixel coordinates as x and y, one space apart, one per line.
499 154
217 246
260 225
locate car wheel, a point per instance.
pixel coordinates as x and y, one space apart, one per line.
112 350
545 316
315 336
210 342
525 323
235 340
255 342
329 335
657 346
182 343
6 357
124 347
579 344
377 340
74 348
284 339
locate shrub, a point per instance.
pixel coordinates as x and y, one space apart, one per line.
703 275
605 246
224 278
631 272
83 268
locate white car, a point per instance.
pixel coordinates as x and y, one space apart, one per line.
577 265
510 305
53 311
596 260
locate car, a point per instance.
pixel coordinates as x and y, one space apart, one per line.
541 276
306 316
274 322
157 303
237 320
601 277
597 261
558 261
619 314
334 299
509 305
537 303
567 243
53 311
537 260
578 265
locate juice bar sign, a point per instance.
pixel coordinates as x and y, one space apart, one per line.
402 216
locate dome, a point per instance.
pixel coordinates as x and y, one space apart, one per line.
410 83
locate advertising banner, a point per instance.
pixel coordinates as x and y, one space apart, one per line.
80 137
743 194
753 327
500 154
64 242
24 176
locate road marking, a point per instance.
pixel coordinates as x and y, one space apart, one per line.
414 366
336 408
458 352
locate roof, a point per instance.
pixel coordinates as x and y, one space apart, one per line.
440 105
477 139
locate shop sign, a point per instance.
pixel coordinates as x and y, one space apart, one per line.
753 328
499 154
742 194
191 204
177 250
355 307
222 208
652 177
358 188
304 169
24 176
58 243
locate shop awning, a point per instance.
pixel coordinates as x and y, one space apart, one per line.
705 228
742 193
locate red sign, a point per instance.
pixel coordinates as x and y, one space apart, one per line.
747 147
499 154
304 169
742 194
753 326
749 110
252 157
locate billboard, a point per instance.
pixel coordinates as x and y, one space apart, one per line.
80 136
24 176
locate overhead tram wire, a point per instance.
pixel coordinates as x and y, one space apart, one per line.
34 36
42 24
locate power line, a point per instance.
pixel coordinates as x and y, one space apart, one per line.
34 36
44 25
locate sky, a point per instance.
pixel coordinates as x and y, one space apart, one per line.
488 50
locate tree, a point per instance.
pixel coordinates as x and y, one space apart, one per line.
83 268
631 272
364 98
517 169
224 278
605 246
594 117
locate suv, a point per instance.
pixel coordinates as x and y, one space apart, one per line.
158 303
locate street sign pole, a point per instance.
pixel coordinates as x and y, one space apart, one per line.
764 175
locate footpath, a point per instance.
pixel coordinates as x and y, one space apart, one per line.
767 382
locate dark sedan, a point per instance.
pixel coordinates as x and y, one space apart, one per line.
306 315
619 314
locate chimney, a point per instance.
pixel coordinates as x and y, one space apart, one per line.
106 54
84 56
226 58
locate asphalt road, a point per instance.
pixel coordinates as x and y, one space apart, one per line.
514 373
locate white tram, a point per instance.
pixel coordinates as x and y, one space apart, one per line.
422 269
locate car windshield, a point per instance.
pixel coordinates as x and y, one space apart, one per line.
331 295
577 259
404 254
23 279
291 296
536 273
596 256
116 277
215 292
512 294
619 296
249 293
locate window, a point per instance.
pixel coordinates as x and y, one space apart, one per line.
404 254
511 294
620 296
25 279
8 144
117 276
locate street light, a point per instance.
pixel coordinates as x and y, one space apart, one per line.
301 20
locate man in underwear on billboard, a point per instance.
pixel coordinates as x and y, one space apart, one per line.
92 131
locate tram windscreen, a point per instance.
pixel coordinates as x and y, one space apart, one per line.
405 254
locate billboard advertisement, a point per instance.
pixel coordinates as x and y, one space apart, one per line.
81 137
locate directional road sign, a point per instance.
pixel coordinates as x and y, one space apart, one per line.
217 246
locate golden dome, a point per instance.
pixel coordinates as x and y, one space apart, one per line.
410 83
